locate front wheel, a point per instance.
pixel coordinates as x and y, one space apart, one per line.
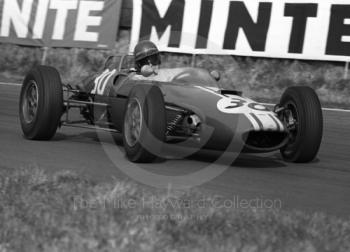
41 103
144 124
302 115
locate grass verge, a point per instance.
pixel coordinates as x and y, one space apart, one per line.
64 212
262 79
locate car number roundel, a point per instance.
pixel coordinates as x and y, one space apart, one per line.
229 105
232 105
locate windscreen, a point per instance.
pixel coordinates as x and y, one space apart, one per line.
195 77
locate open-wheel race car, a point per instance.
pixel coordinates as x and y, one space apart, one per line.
176 105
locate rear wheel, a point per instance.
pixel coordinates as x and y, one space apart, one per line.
41 103
144 124
303 117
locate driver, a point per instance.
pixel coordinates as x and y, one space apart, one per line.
147 64
146 53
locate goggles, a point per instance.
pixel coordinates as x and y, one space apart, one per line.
153 60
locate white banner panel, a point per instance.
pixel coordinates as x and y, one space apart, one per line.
60 23
312 30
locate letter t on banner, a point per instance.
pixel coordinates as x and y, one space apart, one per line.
62 7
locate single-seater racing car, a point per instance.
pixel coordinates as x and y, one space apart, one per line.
178 105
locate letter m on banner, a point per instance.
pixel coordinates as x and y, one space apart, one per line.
162 21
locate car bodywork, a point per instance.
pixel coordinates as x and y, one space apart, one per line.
196 109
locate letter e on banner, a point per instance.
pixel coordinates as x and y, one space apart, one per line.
84 20
339 31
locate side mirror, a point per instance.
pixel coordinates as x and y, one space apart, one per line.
216 75
147 70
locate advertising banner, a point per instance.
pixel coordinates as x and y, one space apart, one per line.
60 23
297 29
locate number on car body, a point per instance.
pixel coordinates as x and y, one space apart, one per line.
101 82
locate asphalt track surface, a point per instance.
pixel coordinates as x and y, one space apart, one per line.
323 185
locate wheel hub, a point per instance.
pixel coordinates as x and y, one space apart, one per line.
291 120
30 102
133 122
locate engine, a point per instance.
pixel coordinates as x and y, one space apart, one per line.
182 123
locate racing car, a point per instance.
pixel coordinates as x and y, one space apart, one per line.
185 106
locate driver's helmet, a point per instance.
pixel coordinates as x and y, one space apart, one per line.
146 53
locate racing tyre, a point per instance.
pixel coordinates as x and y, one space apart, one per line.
41 103
144 124
303 117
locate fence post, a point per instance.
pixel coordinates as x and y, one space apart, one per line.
193 61
75 56
346 70
43 58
